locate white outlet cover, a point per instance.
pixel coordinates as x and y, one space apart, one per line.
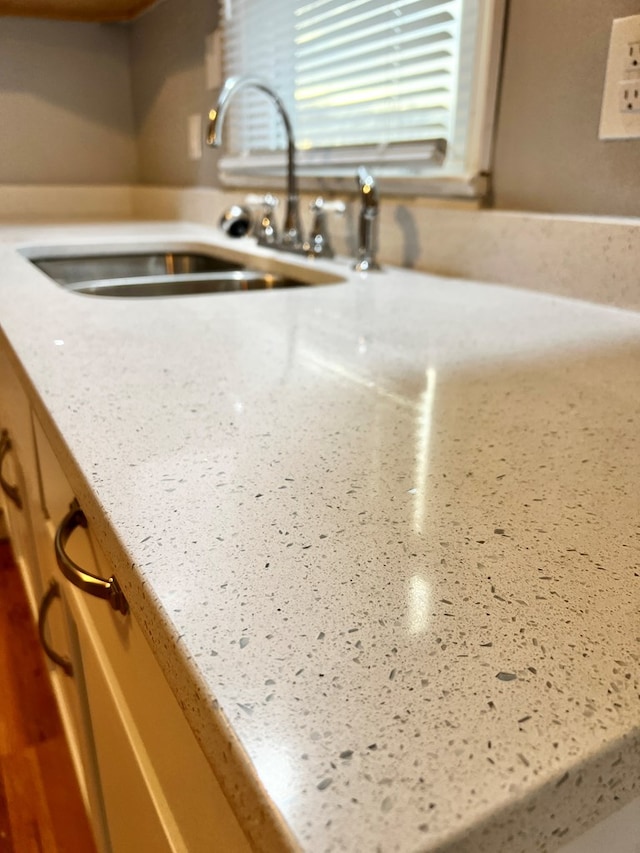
629 96
194 136
616 122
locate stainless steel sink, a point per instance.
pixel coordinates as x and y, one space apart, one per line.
158 273
72 270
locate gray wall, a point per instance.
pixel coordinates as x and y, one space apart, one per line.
547 153
85 103
66 109
169 85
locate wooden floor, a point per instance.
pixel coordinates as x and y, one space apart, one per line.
41 809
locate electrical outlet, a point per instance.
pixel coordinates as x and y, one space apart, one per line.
633 55
620 115
629 96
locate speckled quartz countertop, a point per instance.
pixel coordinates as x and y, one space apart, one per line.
383 536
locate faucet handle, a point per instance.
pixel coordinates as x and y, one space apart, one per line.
264 229
319 245
255 200
329 206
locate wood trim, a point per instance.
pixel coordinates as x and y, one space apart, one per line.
76 10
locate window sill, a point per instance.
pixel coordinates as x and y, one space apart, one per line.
471 187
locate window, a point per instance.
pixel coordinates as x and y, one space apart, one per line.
405 86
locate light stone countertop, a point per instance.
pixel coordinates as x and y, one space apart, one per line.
384 537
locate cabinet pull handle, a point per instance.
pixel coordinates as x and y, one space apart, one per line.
49 597
107 589
9 490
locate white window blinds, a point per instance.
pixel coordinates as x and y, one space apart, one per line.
391 83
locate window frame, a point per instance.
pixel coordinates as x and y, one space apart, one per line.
434 176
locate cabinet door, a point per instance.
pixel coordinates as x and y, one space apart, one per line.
59 637
125 811
18 478
156 787
191 806
61 632
15 505
138 816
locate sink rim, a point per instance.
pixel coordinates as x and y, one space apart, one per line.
103 266
181 284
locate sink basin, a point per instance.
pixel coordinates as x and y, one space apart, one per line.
158 272
72 270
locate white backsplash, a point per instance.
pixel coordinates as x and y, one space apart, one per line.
591 258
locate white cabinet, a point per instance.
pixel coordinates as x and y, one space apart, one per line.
59 630
16 514
16 452
61 639
159 791
137 816
154 789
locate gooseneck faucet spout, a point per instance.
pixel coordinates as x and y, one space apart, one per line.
291 233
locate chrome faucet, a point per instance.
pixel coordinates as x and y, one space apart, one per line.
367 236
291 239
